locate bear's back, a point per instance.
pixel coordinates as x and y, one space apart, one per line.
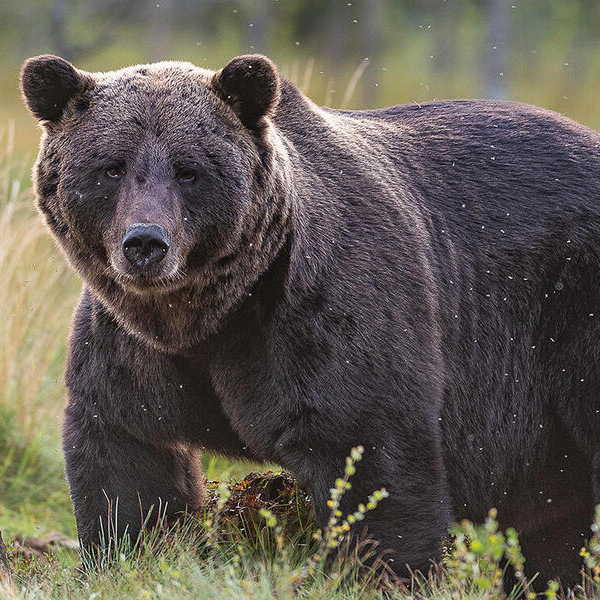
470 163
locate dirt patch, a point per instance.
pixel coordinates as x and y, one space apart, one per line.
277 493
40 548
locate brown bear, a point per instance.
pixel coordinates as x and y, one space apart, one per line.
271 279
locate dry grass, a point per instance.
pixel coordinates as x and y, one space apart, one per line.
37 293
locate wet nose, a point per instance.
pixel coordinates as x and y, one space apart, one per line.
145 244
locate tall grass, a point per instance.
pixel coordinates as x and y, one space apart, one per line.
37 292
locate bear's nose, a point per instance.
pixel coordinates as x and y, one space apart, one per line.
145 244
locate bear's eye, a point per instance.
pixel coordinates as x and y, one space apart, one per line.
187 172
186 176
114 172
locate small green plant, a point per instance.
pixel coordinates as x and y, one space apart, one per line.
480 555
211 520
591 558
335 535
274 527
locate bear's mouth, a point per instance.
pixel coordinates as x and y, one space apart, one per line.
148 283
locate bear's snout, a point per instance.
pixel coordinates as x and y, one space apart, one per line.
145 244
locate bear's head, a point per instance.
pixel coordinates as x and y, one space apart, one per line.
166 185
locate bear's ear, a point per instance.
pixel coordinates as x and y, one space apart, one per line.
48 83
250 85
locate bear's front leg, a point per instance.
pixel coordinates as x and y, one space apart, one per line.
133 426
119 483
409 526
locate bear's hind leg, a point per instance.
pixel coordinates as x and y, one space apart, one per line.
552 551
554 514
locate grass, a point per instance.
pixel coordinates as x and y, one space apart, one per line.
37 294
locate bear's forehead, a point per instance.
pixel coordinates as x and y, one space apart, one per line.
166 99
168 72
156 91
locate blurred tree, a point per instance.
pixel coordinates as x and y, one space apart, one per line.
61 15
372 45
334 33
58 29
160 29
496 48
260 14
446 18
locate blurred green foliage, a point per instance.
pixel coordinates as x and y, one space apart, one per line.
544 52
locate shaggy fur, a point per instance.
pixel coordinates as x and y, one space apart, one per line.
423 280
